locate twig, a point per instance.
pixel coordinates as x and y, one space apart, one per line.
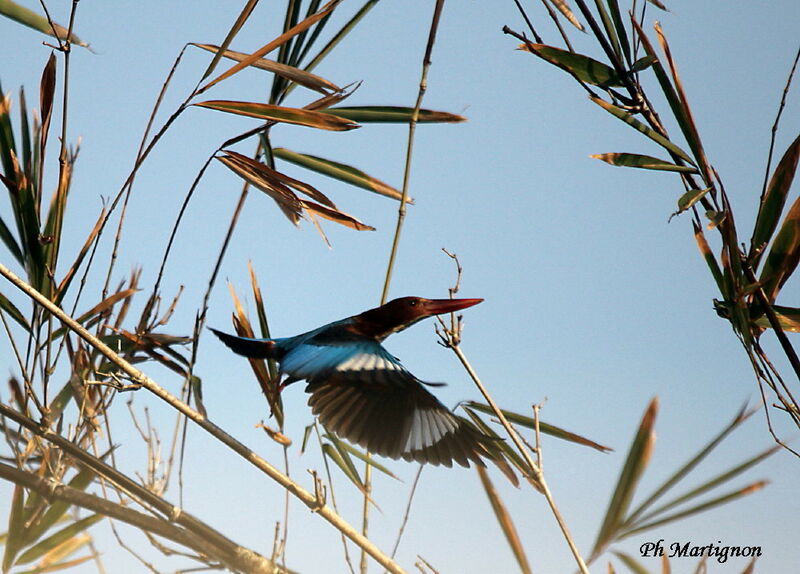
408 510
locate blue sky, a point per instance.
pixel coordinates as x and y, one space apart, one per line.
594 302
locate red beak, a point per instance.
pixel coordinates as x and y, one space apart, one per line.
440 306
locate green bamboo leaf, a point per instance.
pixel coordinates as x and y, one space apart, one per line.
788 317
643 63
392 115
504 520
719 501
583 67
340 171
506 451
63 286
741 416
691 197
341 445
296 116
344 463
273 44
642 162
666 84
544 427
62 536
631 563
635 463
245 13
58 509
33 20
773 201
9 241
784 254
687 118
16 528
611 33
13 312
338 37
621 34
306 435
703 488
296 75
643 128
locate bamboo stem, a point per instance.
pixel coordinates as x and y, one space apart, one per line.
537 471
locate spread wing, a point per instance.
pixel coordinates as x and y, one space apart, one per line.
363 394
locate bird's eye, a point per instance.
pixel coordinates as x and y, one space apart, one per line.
412 303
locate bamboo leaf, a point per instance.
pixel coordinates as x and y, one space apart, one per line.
340 171
31 19
643 128
564 8
63 287
8 238
344 463
296 116
336 216
66 564
788 317
7 306
370 460
544 427
773 201
16 528
61 537
392 115
708 485
665 83
719 501
247 10
631 563
96 311
301 77
621 34
251 171
635 463
643 63
270 46
784 254
504 520
264 326
278 179
688 123
267 384
689 198
58 509
642 162
583 67
505 452
741 416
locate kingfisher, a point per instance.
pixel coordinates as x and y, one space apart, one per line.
363 393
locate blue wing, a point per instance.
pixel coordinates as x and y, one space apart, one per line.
365 395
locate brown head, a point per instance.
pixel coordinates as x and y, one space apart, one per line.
401 313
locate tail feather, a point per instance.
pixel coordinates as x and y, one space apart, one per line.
252 348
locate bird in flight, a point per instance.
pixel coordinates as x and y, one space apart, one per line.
363 393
